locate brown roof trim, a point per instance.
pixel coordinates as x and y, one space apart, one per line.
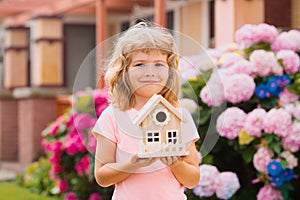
47 17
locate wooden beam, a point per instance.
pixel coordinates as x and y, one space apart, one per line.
56 8
101 28
160 12
30 8
8 8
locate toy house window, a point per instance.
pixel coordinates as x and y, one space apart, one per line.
172 136
153 137
161 116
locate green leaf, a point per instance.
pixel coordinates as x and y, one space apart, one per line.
248 155
283 163
276 147
205 115
268 103
285 189
269 138
208 159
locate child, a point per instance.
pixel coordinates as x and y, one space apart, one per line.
144 63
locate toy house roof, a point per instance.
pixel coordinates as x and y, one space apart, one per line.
149 106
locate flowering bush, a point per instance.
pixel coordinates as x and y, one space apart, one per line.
255 91
70 148
223 184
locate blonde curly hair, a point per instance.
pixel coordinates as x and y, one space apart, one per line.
141 37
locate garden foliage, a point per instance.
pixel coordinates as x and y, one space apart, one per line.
254 91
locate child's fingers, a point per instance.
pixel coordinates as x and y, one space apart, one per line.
170 160
167 160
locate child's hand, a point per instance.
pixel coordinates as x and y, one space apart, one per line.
141 162
171 160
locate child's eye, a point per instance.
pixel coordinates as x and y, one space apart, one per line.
159 65
139 65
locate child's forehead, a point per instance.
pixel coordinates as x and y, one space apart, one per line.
145 52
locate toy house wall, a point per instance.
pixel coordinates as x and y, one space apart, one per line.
149 125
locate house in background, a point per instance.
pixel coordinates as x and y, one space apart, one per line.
49 50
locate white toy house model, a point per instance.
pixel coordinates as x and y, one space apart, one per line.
160 129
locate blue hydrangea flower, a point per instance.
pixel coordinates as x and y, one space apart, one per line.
277 180
288 174
261 91
274 168
272 84
283 80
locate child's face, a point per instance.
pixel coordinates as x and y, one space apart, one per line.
148 72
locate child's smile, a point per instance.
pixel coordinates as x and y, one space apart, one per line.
148 73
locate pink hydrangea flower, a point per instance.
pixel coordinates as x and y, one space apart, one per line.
261 159
74 143
208 174
62 186
287 97
92 143
82 167
54 128
226 184
55 148
55 159
70 121
214 54
70 196
290 158
230 122
95 196
293 109
254 122
265 63
267 33
246 35
290 60
188 69
84 121
292 140
55 169
100 109
278 121
101 96
212 95
229 59
250 34
239 88
296 112
287 40
268 192
241 67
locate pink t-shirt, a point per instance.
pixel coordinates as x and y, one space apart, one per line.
152 182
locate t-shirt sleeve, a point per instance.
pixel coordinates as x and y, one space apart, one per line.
188 127
106 125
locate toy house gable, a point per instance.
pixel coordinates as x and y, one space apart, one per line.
160 129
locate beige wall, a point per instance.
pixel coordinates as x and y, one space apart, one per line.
190 25
230 15
296 14
252 12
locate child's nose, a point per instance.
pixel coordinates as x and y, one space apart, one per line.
150 71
